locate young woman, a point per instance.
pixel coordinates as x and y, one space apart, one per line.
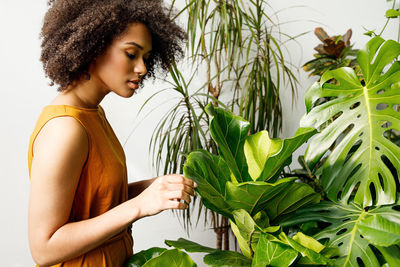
81 207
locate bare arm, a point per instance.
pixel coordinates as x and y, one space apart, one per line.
60 151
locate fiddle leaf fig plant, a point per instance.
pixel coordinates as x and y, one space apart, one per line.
356 122
241 183
224 182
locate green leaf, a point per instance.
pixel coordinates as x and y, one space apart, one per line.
140 258
356 121
254 196
296 196
369 33
229 132
171 258
313 256
276 162
392 13
274 254
246 231
380 231
210 172
189 246
242 241
227 258
345 231
308 242
257 149
391 255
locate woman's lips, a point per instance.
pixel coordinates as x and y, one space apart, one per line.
133 84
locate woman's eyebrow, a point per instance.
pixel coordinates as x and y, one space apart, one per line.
136 44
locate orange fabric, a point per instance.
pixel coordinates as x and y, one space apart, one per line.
103 182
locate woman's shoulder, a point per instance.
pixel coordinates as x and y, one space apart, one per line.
64 134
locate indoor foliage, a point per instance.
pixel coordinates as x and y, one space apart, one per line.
241 184
358 223
360 160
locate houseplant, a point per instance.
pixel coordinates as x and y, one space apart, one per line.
242 184
358 223
360 158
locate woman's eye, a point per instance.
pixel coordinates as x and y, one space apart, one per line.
131 56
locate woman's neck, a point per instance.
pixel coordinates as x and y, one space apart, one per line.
85 94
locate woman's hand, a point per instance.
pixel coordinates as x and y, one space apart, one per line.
165 192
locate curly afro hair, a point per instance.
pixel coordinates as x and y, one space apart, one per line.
75 32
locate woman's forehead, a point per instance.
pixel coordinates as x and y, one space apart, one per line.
138 35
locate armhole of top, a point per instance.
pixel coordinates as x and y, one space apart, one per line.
58 116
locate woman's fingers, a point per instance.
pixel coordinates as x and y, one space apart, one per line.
175 204
180 179
178 195
167 192
181 187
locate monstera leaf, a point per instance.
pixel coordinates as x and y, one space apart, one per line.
356 119
359 236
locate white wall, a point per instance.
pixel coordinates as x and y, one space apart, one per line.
24 91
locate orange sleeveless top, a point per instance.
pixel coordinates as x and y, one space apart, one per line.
103 183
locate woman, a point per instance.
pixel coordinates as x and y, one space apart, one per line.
81 207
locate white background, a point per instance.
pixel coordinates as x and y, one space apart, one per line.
24 91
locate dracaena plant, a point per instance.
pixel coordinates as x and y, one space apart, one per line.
356 158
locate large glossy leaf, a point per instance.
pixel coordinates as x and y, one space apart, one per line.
254 196
246 231
211 173
391 255
258 148
274 254
140 258
308 252
189 246
229 132
280 159
227 258
171 258
380 231
353 230
296 196
356 119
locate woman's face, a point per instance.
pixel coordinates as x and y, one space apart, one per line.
120 68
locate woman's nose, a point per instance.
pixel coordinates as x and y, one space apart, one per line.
140 67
